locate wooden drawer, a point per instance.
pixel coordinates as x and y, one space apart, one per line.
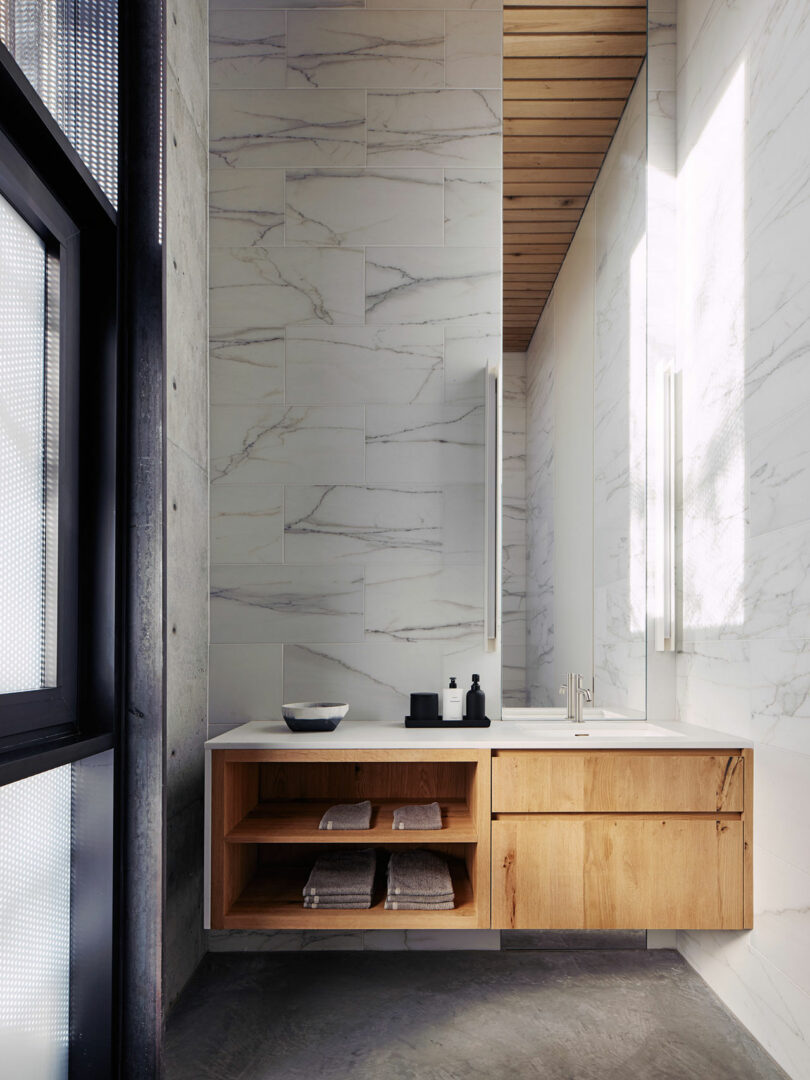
617 781
640 871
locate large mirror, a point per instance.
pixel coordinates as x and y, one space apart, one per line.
574 382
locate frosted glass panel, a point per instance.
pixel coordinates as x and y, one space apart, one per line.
27 461
35 826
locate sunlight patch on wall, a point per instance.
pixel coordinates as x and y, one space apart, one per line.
711 357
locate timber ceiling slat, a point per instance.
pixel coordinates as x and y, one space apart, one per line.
569 67
560 89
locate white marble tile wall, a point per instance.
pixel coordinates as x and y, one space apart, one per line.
355 306
743 110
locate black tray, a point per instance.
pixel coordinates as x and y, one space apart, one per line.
410 722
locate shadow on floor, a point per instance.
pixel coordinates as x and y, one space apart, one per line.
624 1015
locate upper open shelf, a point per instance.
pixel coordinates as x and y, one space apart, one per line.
297 822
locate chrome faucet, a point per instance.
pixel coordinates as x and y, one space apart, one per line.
576 694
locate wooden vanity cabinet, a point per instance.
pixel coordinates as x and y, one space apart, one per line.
622 839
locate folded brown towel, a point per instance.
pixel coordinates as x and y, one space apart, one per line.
418 817
347 816
419 873
342 873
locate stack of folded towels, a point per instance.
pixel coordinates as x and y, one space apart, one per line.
419 881
343 879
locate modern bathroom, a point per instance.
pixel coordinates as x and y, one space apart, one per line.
405 507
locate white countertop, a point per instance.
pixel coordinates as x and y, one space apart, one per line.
502 734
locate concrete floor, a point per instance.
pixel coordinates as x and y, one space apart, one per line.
595 1015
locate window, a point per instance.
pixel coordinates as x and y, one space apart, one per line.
29 455
58 387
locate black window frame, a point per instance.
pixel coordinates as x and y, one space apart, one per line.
46 182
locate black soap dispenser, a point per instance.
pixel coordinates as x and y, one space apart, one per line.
476 703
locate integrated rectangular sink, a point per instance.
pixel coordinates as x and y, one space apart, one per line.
597 729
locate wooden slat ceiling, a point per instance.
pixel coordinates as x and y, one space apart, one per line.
569 67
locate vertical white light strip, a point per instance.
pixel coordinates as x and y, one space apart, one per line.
665 585
493 504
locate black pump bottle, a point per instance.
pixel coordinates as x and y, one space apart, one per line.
476 701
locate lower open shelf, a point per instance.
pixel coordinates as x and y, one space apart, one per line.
273 899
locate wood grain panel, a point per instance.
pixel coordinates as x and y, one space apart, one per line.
568 70
595 67
605 90
667 781
605 109
519 46
617 872
558 126
608 20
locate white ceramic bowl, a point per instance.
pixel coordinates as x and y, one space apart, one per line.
314 715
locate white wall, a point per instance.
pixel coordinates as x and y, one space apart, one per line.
743 114
585 607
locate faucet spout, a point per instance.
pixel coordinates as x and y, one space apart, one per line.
576 693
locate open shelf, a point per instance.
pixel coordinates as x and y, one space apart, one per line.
266 806
273 898
296 822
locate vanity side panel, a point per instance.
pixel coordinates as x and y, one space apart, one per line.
748 840
603 781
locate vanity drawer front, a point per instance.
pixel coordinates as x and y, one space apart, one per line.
611 872
605 781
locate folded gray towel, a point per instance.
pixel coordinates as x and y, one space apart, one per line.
418 817
347 816
418 873
354 905
342 873
322 898
416 905
443 898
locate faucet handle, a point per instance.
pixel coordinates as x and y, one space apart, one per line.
563 689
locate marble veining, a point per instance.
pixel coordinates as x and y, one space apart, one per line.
472 207
473 49
247 523
435 127
432 285
247 370
412 442
282 443
273 603
368 49
246 207
288 127
413 603
253 288
247 49
365 365
372 524
345 207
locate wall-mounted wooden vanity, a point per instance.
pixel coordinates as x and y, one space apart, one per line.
610 838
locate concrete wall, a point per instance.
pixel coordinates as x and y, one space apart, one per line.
743 159
186 478
355 304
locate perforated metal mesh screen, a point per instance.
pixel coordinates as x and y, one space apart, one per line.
68 50
28 460
35 828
